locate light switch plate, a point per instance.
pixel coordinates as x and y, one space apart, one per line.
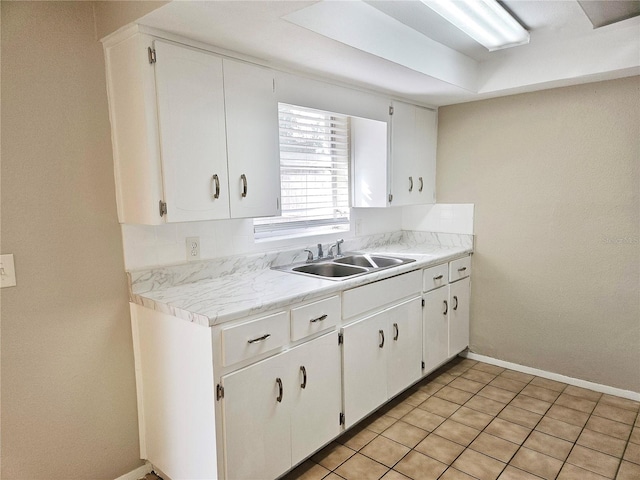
7 271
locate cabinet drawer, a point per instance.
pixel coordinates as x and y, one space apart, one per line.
378 294
314 317
246 340
460 268
435 277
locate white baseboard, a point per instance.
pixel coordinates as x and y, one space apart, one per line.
618 392
137 473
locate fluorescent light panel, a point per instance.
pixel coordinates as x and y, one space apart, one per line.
486 21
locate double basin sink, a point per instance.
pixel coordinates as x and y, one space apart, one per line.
346 266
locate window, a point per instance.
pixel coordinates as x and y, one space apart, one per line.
314 174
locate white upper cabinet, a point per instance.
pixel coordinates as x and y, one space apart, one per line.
252 140
195 135
394 163
413 155
191 123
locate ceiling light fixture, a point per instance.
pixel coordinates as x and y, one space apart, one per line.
486 21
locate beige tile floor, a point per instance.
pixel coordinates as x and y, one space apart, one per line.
471 420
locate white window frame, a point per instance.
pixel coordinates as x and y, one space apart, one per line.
311 141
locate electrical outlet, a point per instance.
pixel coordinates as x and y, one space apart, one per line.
193 248
7 271
358 226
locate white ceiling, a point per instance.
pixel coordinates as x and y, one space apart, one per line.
404 49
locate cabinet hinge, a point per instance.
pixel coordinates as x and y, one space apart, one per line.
423 303
390 198
152 54
341 418
340 338
423 365
219 392
390 110
163 208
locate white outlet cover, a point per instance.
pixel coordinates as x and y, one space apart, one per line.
192 245
7 271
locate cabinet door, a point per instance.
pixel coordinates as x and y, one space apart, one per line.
435 328
364 366
459 296
426 140
252 140
404 181
316 408
256 425
191 123
404 355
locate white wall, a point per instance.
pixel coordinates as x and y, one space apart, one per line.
149 246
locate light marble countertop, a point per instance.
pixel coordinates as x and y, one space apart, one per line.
241 292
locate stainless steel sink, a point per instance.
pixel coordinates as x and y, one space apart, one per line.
347 266
371 261
329 269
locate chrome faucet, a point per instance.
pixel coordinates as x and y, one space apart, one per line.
320 253
337 247
309 255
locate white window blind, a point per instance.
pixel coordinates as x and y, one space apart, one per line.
314 173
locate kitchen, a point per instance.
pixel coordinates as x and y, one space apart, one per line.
552 174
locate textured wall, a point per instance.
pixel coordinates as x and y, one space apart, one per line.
68 389
554 176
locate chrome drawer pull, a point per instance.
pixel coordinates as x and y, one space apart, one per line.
243 177
421 184
397 330
319 319
410 184
462 269
456 299
439 277
446 308
280 390
304 377
259 339
216 180
381 344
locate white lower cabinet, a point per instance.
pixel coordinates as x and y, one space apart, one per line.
445 325
280 410
381 357
435 326
459 297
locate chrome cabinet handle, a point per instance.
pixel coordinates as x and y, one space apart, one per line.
319 319
421 184
462 269
304 377
397 331
216 181
410 184
381 344
280 390
456 299
243 177
259 339
439 277
446 308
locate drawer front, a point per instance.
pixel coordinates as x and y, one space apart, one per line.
435 277
246 340
378 294
460 268
314 317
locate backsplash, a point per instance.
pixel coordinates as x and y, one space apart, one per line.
163 277
163 245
